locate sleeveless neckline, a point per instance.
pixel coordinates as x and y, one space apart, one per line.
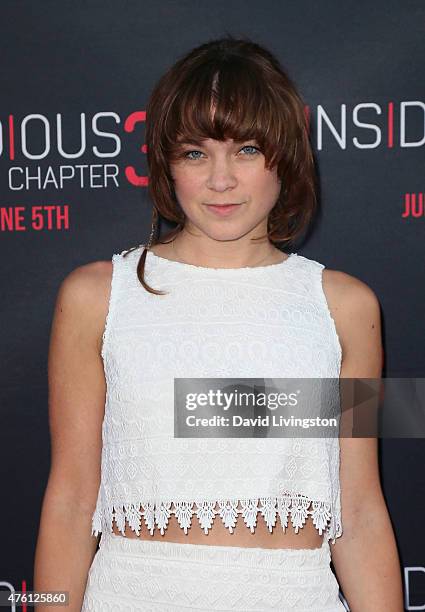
183 265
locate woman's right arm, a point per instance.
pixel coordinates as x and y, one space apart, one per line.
65 546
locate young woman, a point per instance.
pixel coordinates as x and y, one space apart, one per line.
213 524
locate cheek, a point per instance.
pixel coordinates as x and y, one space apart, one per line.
185 183
267 186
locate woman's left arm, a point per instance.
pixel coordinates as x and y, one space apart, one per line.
365 556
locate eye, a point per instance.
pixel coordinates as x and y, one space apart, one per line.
256 149
191 155
187 153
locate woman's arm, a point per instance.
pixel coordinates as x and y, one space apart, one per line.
365 557
65 546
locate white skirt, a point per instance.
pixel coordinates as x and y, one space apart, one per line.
130 575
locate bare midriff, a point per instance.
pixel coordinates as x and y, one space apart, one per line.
219 535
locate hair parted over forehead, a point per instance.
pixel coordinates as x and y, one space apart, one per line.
231 88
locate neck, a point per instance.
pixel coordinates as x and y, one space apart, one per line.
229 253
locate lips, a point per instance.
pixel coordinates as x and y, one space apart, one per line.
222 210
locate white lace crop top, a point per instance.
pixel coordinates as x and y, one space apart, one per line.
269 321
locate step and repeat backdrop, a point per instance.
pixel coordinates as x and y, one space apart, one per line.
76 77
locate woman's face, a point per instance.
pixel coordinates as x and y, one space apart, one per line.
214 172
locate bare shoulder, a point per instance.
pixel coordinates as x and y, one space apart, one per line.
355 309
83 297
88 278
340 286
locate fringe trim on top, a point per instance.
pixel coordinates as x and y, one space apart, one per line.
288 506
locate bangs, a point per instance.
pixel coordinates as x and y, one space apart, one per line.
227 99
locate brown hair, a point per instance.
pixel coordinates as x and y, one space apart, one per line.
253 98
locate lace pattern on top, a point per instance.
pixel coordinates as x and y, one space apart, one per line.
291 507
212 329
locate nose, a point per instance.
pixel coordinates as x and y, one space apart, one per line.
221 175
